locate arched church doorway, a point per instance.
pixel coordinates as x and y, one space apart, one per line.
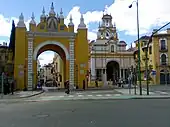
112 70
58 66
164 77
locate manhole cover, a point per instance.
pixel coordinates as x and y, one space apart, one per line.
41 115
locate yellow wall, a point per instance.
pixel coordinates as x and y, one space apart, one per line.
21 52
81 54
20 57
154 58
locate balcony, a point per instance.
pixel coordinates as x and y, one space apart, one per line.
163 49
164 64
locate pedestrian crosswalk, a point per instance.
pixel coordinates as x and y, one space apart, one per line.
77 97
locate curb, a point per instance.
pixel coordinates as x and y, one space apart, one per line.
19 99
156 97
32 95
95 99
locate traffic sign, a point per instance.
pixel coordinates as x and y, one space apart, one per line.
153 72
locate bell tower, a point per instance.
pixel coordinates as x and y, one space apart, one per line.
106 29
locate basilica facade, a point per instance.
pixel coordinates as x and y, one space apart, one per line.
110 59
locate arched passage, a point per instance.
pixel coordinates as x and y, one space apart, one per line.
112 70
57 47
53 43
164 77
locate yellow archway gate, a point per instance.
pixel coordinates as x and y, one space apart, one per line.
50 34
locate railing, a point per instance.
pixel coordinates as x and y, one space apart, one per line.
163 64
163 49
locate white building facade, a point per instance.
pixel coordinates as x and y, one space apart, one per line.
109 58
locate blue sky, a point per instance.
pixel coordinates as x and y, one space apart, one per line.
124 17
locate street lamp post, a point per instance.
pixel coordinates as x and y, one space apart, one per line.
146 62
139 72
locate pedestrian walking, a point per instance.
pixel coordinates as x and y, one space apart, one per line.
12 87
84 84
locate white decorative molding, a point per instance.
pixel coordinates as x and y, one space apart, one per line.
161 57
52 34
36 50
30 63
71 67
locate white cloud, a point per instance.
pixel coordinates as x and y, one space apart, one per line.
152 13
46 57
6 25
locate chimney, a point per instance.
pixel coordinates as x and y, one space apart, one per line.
154 30
168 30
4 44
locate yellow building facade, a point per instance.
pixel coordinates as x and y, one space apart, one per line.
50 34
158 60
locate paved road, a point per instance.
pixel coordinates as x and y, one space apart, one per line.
109 113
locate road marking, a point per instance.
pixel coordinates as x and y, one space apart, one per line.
108 95
61 96
80 95
89 95
163 92
70 96
99 95
117 95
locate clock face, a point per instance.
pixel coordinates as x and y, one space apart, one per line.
107 34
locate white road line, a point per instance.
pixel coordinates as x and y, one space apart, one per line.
61 96
117 95
80 95
89 95
108 95
99 95
163 92
70 96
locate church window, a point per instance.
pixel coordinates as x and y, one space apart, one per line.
42 26
61 27
112 48
52 24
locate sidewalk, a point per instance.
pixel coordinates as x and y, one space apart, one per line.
20 94
131 94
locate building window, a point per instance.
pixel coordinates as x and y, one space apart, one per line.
150 50
61 27
163 59
42 26
163 44
112 48
99 74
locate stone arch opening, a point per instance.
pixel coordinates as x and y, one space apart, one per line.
164 77
163 58
112 71
61 50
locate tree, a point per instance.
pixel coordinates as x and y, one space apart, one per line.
12 40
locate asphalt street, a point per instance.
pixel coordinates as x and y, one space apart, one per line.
97 113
